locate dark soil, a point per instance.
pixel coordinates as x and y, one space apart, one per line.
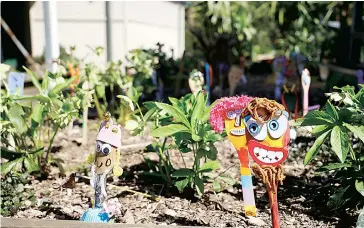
301 202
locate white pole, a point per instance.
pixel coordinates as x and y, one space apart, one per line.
125 29
109 34
51 35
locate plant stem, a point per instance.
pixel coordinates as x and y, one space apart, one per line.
163 160
50 144
183 159
98 107
140 111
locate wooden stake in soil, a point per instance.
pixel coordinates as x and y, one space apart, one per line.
271 177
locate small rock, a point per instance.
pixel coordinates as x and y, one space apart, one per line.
67 211
128 217
256 221
170 212
27 203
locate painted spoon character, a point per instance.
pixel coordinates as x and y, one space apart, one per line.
104 161
267 138
227 113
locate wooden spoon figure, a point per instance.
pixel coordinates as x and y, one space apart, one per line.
267 136
104 161
263 130
228 112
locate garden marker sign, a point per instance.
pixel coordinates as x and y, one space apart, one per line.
257 127
104 161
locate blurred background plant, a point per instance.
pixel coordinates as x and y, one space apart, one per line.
29 124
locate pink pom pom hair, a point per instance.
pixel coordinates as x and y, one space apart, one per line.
225 104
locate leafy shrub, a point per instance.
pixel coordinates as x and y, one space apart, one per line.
27 120
341 122
13 194
186 121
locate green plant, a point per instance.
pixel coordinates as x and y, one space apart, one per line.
186 121
142 63
341 122
29 123
14 196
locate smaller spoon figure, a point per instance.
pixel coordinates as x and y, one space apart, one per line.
104 161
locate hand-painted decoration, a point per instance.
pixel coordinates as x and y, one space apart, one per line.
228 112
104 160
257 127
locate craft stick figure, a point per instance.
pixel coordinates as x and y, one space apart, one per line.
228 112
267 136
104 160
257 127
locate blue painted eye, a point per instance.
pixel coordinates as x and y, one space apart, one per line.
253 128
273 125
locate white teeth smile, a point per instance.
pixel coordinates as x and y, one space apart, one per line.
268 156
238 132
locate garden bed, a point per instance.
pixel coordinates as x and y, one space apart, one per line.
301 202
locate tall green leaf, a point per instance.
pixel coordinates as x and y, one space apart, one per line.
198 110
357 130
15 116
311 153
176 113
34 79
317 118
37 114
210 166
30 164
169 130
332 111
8 166
340 142
183 172
181 184
58 88
320 129
359 185
199 185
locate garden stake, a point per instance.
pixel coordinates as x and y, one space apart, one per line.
258 127
271 177
108 143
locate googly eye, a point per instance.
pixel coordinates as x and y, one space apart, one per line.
106 149
278 126
257 130
238 111
253 128
98 146
273 125
231 114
